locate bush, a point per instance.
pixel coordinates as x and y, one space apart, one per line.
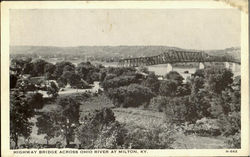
183 90
118 82
110 137
204 127
201 104
197 83
158 103
159 137
234 141
133 95
179 110
175 76
152 82
230 124
168 88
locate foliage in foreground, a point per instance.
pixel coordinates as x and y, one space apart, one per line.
101 130
60 122
158 137
20 113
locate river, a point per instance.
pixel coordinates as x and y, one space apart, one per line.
160 69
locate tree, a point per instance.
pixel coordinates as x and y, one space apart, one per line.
175 76
118 71
38 67
68 117
217 79
101 131
28 68
62 82
118 82
18 65
168 88
152 82
226 107
69 68
133 95
179 110
35 100
76 82
95 76
183 90
197 83
20 112
199 73
49 70
109 76
143 69
13 81
67 76
25 85
46 124
59 70
102 76
52 89
86 70
202 103
62 121
71 78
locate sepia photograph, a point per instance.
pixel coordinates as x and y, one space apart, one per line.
121 80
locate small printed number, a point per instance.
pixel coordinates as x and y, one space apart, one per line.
231 151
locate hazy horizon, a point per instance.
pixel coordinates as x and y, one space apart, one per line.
118 46
200 29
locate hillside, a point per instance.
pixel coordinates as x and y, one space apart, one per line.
233 51
109 51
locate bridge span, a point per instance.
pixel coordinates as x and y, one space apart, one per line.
175 56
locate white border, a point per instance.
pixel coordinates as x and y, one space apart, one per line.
5 6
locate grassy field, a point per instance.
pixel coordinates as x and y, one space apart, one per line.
94 103
138 117
151 119
198 142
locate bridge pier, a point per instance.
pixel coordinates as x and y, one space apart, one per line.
133 63
234 67
125 63
201 65
169 67
129 63
227 65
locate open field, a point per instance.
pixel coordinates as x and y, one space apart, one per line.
151 119
138 117
198 142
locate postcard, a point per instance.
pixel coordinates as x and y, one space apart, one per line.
124 78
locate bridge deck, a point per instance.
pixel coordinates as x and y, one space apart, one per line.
175 57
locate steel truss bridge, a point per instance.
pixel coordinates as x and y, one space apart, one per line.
176 56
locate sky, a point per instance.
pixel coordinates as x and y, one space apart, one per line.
185 28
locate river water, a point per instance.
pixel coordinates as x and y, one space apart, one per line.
161 69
